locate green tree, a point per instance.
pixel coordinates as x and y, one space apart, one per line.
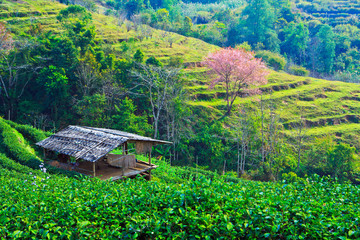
133 6
257 22
59 52
296 40
55 83
76 20
340 160
139 56
326 49
93 110
187 26
153 61
124 118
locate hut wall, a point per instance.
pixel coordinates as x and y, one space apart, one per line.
123 161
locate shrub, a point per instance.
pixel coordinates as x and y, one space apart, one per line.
245 45
13 144
199 206
273 60
153 61
298 70
29 132
346 76
175 61
139 56
10 164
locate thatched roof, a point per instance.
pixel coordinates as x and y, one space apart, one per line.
91 143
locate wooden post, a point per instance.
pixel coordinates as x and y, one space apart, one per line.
123 167
126 148
44 153
150 163
94 174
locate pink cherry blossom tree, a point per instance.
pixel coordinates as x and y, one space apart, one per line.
238 70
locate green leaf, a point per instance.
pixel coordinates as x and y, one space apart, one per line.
229 226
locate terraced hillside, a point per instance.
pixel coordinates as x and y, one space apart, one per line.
40 15
329 107
331 12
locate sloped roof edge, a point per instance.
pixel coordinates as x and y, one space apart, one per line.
90 143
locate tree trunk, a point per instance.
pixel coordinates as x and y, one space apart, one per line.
155 127
238 159
262 131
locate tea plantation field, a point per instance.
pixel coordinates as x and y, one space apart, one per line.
179 203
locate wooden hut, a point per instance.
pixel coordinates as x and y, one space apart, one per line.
90 148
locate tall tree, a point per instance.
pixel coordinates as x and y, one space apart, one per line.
156 81
296 40
16 72
55 83
326 49
238 70
258 21
76 20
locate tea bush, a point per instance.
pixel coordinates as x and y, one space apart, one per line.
14 146
180 203
67 208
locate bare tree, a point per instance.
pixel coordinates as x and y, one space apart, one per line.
15 75
176 116
262 116
273 133
157 81
171 39
112 90
120 17
245 129
128 25
299 135
270 135
88 77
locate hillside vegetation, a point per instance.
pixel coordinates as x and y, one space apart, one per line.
85 74
178 202
280 163
36 17
333 12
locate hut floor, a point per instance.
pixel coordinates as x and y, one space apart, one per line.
104 171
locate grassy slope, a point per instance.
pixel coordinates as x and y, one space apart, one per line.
329 107
19 15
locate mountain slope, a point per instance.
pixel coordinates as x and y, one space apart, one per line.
328 107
